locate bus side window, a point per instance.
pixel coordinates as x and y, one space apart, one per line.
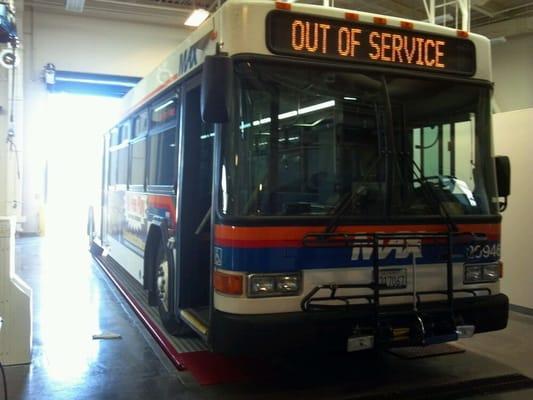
122 173
140 126
138 149
163 165
114 139
162 146
138 162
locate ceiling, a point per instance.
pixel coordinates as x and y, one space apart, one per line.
490 17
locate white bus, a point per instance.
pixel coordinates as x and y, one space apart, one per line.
303 177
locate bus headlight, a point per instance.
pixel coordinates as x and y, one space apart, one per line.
269 285
479 273
491 272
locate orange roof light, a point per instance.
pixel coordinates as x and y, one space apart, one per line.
351 16
227 283
462 34
380 20
407 25
280 5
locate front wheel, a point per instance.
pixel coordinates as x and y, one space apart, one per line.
164 288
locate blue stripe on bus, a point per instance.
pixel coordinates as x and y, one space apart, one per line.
256 260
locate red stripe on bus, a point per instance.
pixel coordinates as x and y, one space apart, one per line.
287 235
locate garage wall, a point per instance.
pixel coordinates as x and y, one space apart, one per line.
84 44
512 137
512 73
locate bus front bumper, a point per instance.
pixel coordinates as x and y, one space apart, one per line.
328 331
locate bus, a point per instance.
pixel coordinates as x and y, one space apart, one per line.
297 177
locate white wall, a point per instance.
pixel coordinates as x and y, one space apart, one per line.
513 73
85 44
512 137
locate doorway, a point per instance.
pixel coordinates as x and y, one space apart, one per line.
74 129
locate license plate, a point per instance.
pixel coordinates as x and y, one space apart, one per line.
393 278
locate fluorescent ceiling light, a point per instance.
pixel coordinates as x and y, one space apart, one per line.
316 107
75 5
197 17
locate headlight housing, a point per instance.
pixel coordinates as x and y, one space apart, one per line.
481 273
270 285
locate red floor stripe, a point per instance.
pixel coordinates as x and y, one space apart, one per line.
211 368
207 368
175 357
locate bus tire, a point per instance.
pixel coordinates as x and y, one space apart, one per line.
163 278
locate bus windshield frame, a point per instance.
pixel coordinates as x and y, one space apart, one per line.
371 143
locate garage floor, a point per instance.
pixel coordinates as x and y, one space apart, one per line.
73 299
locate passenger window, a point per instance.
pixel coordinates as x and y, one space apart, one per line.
138 161
122 172
163 165
164 112
114 138
113 164
125 132
141 124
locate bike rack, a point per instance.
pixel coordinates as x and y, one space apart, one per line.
312 302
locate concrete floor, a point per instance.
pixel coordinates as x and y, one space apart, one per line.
512 346
73 300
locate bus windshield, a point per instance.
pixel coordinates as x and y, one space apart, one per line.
305 140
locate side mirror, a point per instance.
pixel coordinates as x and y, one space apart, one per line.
217 89
503 178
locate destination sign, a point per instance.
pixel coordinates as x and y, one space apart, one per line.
328 38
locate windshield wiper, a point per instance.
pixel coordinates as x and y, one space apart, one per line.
390 152
343 206
391 147
425 184
349 198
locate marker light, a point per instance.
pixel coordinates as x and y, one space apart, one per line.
479 273
197 17
269 285
227 283
351 16
281 5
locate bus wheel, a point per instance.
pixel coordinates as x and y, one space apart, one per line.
163 282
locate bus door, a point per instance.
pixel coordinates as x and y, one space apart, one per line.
194 199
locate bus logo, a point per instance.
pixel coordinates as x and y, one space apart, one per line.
400 249
188 60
